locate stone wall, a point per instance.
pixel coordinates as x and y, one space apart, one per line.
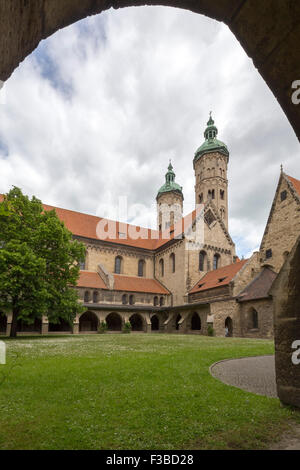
223 310
115 297
286 297
175 282
283 227
264 309
104 255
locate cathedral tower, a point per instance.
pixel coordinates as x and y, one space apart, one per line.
169 202
210 165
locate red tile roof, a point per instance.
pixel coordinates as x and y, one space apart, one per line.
138 284
218 278
92 280
295 183
84 225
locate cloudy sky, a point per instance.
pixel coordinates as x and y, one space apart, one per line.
97 111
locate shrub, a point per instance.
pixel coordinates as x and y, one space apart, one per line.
127 328
210 331
102 328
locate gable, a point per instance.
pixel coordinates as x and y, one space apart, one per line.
283 225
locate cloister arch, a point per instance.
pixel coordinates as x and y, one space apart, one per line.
3 323
178 318
154 323
61 327
137 322
35 327
88 322
114 322
195 322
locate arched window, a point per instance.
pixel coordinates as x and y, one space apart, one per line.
86 296
131 300
202 261
213 194
155 301
172 263
161 301
222 194
209 194
161 267
216 261
82 264
118 265
201 198
141 269
125 299
172 218
254 319
95 297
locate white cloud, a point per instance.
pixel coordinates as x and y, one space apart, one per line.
100 107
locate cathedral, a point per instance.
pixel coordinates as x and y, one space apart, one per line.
163 280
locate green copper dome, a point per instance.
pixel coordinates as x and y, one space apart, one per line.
170 184
211 144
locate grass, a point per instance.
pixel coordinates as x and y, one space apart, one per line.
132 392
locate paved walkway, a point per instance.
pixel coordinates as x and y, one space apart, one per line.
256 375
253 374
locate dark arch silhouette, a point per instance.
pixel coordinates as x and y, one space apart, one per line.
88 322
178 318
3 323
35 327
196 322
155 323
136 322
62 327
114 322
229 326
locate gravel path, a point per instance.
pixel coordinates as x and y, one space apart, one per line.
254 374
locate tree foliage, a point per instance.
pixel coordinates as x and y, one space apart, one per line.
39 262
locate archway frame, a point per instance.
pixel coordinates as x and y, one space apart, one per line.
269 34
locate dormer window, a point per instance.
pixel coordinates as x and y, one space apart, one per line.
221 279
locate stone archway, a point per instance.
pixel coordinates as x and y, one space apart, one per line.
137 323
195 322
154 323
229 327
61 327
88 322
35 327
267 31
3 323
114 322
177 320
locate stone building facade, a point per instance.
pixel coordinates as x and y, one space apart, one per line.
166 280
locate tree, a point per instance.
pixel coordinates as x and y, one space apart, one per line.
39 262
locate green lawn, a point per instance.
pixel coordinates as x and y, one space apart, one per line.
132 392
